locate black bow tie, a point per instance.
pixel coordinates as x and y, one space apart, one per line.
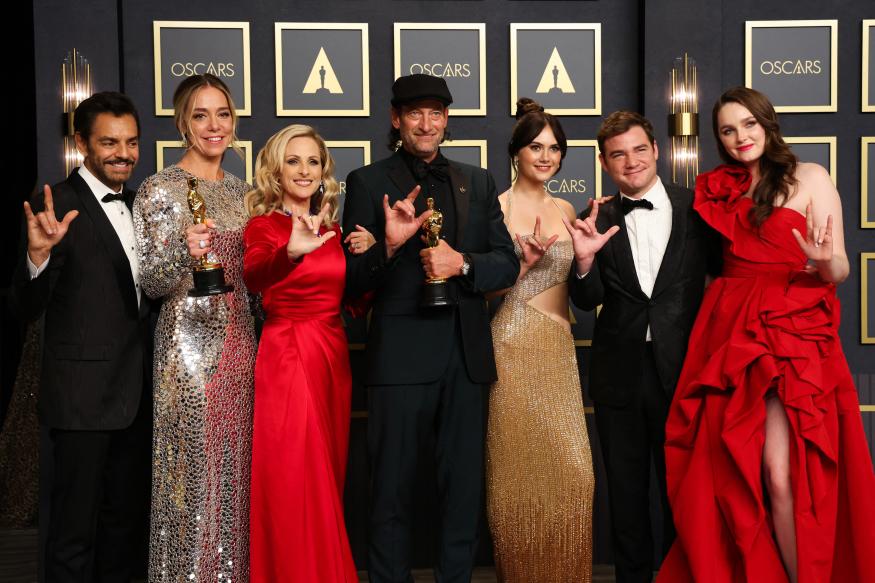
113 196
438 169
632 203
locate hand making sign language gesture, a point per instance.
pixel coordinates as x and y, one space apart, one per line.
586 239
532 248
305 237
401 220
817 243
43 229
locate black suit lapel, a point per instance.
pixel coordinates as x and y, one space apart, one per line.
674 251
403 179
108 238
623 249
461 192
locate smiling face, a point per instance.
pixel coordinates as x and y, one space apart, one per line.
210 123
743 137
302 170
421 125
630 159
112 149
540 160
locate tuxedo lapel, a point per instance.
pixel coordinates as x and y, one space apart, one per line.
108 238
674 251
402 178
461 192
623 249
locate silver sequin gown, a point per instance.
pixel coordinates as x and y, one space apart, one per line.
203 392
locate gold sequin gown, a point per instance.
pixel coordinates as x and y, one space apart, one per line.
203 393
539 474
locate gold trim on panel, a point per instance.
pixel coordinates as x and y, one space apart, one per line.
245 145
481 27
866 336
597 65
279 27
482 144
834 59
157 25
867 54
829 140
867 408
866 222
363 144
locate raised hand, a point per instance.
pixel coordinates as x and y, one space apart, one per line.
531 245
359 240
305 237
586 239
199 238
43 229
817 243
401 220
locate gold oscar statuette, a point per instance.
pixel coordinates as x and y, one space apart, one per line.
209 276
435 292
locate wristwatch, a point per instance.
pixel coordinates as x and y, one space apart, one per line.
466 264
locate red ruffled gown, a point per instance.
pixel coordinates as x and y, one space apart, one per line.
302 407
765 325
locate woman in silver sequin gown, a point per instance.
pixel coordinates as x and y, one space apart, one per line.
204 352
539 474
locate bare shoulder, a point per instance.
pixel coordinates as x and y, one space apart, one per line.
567 208
809 171
502 199
814 182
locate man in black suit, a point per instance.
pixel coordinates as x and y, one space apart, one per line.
429 368
643 257
81 271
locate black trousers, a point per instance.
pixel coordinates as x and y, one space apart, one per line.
630 436
99 500
451 413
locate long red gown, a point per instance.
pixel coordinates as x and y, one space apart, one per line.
302 408
765 325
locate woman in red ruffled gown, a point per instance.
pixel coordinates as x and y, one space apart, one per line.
302 377
768 470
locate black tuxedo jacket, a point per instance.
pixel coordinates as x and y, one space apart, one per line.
96 351
619 339
408 344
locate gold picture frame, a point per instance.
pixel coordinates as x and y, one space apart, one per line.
481 144
866 336
480 27
866 221
245 145
749 27
242 110
867 101
596 29
281 110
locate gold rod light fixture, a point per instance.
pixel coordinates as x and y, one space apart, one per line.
683 122
76 86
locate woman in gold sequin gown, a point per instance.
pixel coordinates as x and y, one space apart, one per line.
539 474
204 352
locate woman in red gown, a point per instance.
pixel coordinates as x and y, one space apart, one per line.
769 474
302 378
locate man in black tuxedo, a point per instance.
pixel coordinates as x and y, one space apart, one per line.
81 271
429 368
643 257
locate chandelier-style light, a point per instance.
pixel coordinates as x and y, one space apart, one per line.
76 86
683 122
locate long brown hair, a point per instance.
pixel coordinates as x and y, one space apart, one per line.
778 163
183 105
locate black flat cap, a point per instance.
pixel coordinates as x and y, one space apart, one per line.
417 87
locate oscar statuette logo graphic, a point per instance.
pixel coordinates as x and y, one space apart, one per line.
209 276
555 78
322 79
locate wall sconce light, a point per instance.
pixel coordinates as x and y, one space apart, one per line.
683 122
76 86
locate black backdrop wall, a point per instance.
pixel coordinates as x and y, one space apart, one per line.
639 41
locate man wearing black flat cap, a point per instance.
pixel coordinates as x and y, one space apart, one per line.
428 368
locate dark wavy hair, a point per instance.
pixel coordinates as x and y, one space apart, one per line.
531 121
778 163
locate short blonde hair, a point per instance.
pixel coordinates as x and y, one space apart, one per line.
183 106
267 195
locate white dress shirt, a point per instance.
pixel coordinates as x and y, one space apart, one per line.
649 231
122 222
